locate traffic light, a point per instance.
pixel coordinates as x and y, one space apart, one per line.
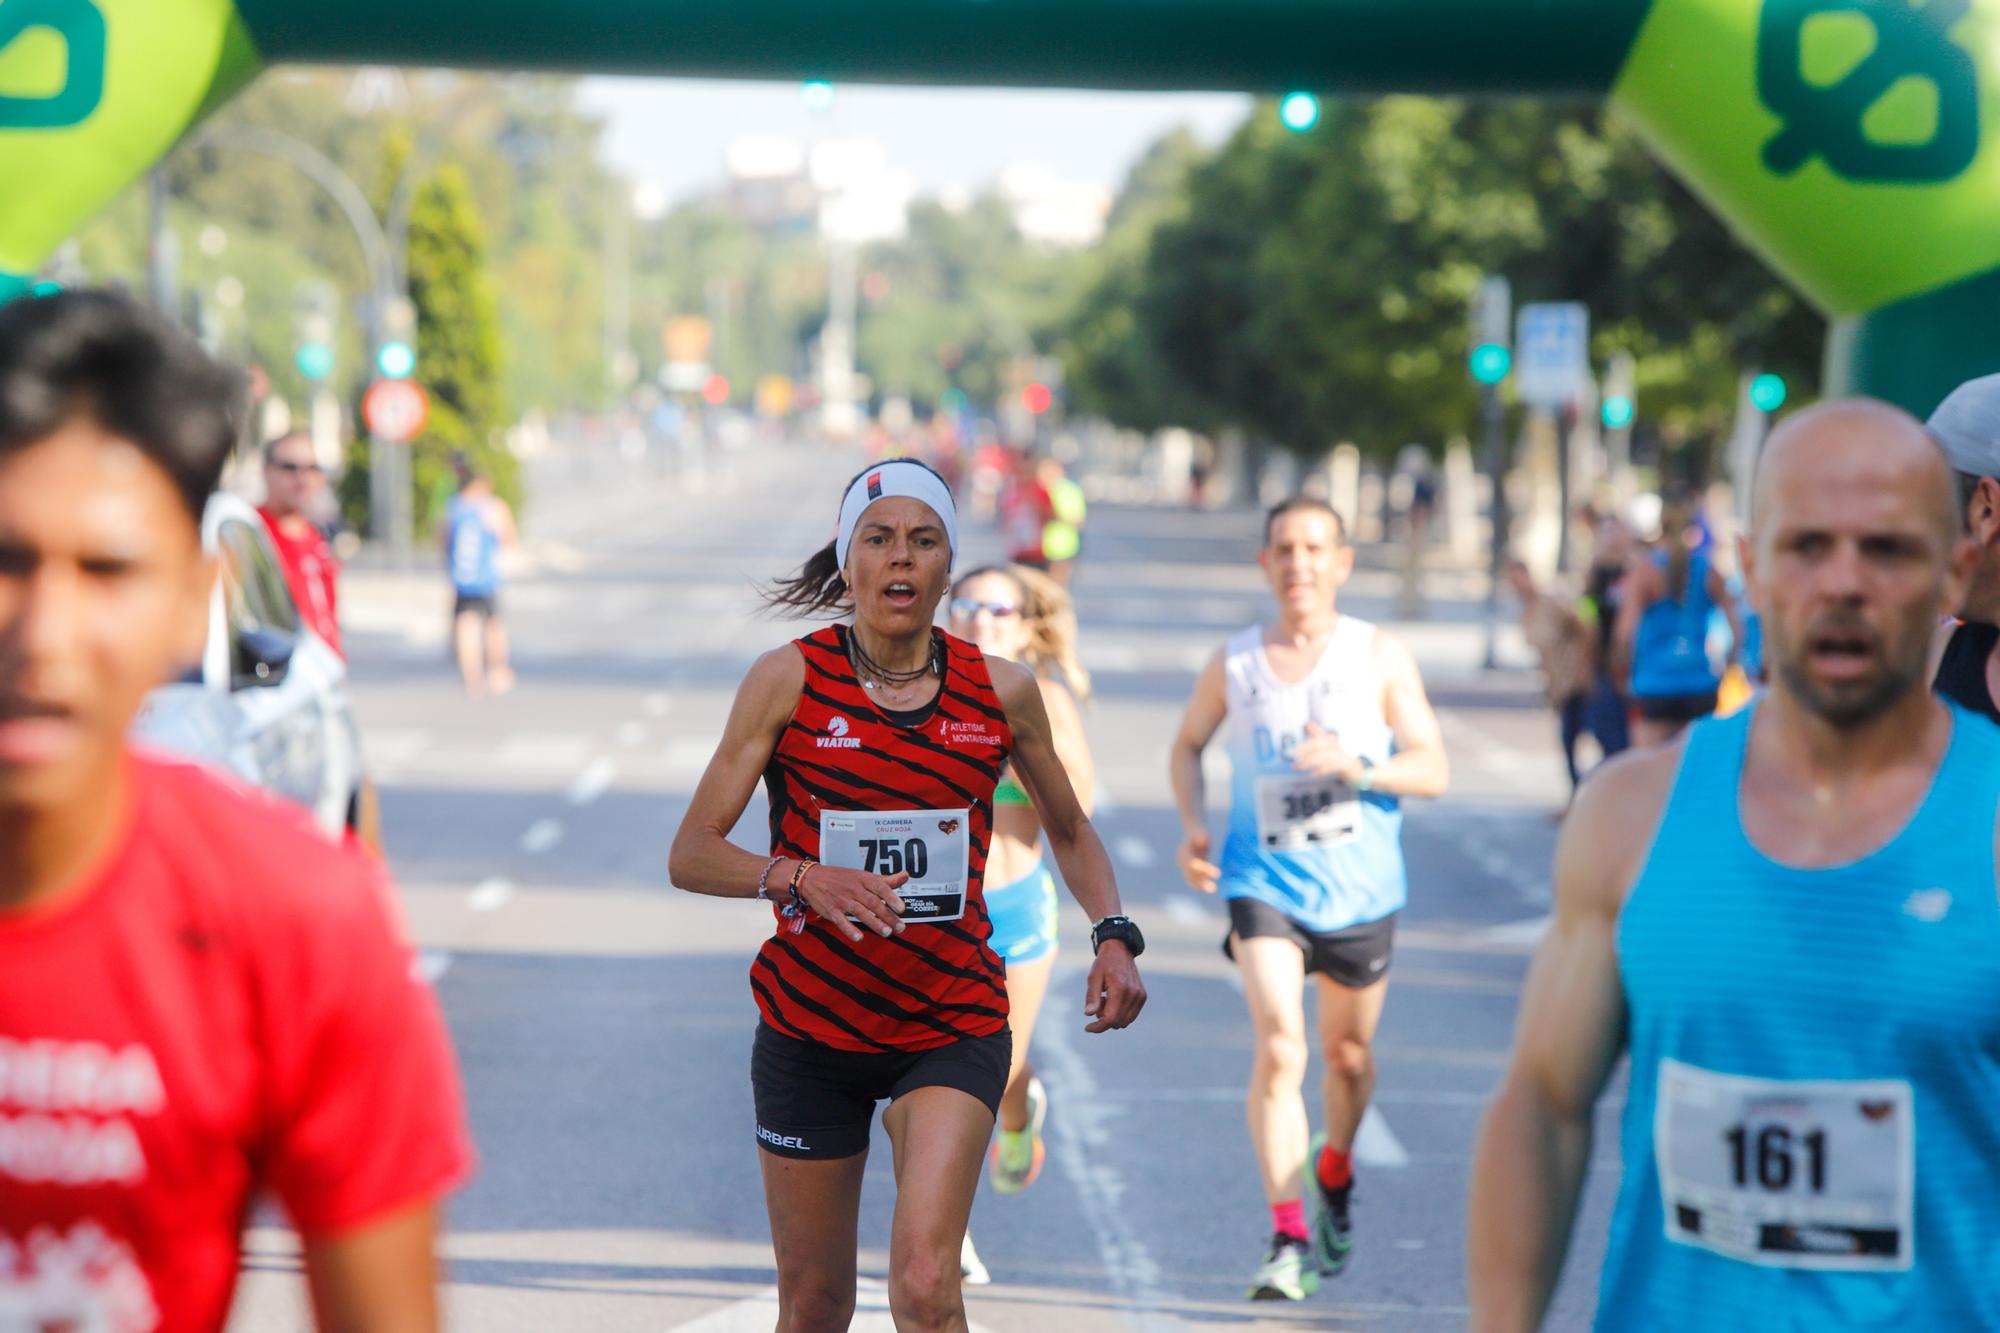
1037 398
1298 112
396 360
1768 392
1490 363
817 94
1618 411
396 339
314 360
314 316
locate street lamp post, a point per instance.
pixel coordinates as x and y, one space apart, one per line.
389 465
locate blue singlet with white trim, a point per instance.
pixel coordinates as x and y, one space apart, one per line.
1812 1132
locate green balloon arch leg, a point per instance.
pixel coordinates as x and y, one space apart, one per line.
1916 351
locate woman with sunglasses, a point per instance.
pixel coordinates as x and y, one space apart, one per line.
1024 616
880 744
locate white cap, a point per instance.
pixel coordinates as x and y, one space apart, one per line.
1968 422
897 476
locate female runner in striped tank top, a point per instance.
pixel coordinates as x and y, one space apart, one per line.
880 745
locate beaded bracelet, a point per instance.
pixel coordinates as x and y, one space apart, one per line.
794 911
763 893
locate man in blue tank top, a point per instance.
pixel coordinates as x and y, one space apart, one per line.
477 526
1328 727
1790 921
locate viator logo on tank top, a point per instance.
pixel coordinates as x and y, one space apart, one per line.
836 737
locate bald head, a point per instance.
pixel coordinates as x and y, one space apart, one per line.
1855 553
1856 442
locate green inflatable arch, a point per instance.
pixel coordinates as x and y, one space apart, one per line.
1855 143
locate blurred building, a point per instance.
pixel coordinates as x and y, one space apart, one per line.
842 189
1053 211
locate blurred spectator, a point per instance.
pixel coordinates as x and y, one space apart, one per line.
1603 595
1564 645
1026 509
293 486
1966 655
1062 534
1661 642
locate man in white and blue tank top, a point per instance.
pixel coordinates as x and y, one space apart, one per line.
1328 728
1790 921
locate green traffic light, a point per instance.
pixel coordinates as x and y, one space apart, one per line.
396 360
1767 392
314 360
818 94
1490 363
1618 412
1299 112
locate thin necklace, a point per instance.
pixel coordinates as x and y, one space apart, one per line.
869 666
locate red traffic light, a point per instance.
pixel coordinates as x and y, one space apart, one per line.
715 390
1037 398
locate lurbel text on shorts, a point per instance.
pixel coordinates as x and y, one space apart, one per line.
777 1140
837 742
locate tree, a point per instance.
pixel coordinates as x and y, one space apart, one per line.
1317 287
459 360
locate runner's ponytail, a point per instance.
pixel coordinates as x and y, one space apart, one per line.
815 589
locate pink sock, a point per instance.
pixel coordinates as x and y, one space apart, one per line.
1289 1218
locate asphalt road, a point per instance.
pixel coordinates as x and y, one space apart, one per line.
603 1018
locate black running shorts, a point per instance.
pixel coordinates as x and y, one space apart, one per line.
1355 957
1677 708
476 604
816 1103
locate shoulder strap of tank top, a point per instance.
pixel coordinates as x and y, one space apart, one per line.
1704 794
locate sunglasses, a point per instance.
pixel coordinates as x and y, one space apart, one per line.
964 608
294 468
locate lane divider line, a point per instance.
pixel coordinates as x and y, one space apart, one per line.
489 894
1134 851
1085 1134
542 835
593 782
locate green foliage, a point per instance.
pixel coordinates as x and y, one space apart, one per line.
1313 288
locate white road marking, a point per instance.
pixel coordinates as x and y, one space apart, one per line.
657 704
392 746
631 734
489 894
593 782
542 835
1375 1144
1084 1133
1134 851
1185 911
536 749
759 1314
431 964
1409 1245
1527 932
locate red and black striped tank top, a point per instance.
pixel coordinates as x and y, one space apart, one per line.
936 982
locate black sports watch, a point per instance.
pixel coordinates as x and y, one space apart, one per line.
1121 928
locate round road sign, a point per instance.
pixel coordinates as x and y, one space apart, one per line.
395 410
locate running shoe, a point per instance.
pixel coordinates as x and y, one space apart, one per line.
1332 1231
1287 1273
1016 1158
970 1270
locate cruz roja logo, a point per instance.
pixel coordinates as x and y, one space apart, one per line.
836 737
80 25
1911 43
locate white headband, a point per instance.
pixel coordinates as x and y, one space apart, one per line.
898 476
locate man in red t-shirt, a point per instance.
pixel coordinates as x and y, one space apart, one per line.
200 998
292 479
